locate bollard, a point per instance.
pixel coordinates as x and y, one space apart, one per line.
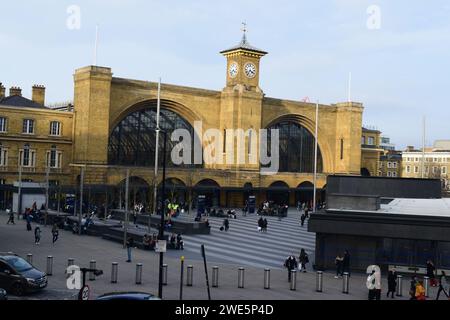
345 283
190 276
319 281
241 278
70 262
164 282
293 285
92 266
266 278
30 258
215 277
399 286
49 265
114 272
426 284
139 273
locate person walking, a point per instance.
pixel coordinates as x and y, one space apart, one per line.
265 223
302 220
180 242
430 273
443 285
55 233
338 262
129 245
11 217
412 288
392 283
226 224
346 263
371 285
37 235
303 259
260 224
290 264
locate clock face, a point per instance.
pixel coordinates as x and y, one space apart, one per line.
233 70
250 70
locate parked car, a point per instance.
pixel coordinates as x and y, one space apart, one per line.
127 296
3 295
18 277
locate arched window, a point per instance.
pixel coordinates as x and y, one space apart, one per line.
132 141
296 148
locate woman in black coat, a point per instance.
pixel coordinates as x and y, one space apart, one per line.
392 283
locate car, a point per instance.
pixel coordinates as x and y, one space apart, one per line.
3 295
128 296
19 277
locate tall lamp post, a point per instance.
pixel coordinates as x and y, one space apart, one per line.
163 213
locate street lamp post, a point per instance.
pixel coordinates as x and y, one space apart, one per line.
161 226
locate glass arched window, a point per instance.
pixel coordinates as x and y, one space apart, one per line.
296 148
132 142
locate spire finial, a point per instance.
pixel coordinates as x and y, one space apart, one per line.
244 30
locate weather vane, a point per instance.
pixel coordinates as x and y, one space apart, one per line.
244 27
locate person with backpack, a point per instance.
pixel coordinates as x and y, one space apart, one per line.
37 235
290 264
303 259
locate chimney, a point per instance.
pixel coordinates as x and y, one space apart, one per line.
2 91
38 94
15 91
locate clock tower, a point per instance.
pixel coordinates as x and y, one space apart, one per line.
243 65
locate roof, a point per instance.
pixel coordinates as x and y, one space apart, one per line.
19 101
422 207
244 45
442 144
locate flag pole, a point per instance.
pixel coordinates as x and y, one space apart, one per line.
423 148
315 157
96 45
158 109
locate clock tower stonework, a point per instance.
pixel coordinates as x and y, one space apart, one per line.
242 98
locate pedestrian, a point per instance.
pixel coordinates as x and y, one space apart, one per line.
37 235
55 232
180 242
29 228
430 273
306 212
290 264
265 223
392 283
130 245
346 263
226 224
338 262
303 260
135 218
420 291
11 217
302 219
260 224
443 285
146 242
412 288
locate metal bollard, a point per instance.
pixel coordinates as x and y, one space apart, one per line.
30 258
241 278
114 272
164 282
190 276
49 265
139 273
345 283
70 262
399 286
319 281
215 277
426 284
293 286
266 278
92 266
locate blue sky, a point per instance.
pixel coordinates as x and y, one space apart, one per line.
400 71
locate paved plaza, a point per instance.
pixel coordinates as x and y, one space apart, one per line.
242 246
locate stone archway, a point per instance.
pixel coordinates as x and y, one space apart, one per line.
278 192
210 189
